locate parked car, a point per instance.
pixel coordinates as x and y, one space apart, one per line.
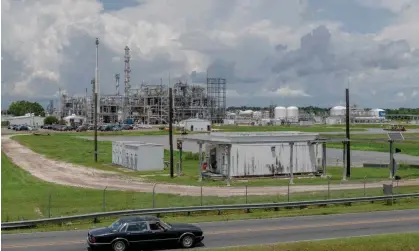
116 128
82 128
142 232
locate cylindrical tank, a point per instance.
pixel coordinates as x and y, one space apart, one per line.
280 112
338 111
292 114
378 113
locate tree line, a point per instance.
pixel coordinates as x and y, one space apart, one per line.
22 107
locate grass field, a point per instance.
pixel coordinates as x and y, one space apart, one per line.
391 242
58 146
24 196
368 142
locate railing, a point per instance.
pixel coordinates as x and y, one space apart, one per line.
219 208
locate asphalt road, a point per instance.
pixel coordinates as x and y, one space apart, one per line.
248 232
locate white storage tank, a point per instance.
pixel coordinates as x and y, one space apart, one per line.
338 111
292 114
280 112
246 113
378 113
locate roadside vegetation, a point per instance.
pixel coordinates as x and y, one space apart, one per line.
43 199
389 242
80 151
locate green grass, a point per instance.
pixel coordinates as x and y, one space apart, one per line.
365 126
24 196
390 242
58 146
368 142
314 128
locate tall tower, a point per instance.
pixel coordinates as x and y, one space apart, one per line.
117 83
127 85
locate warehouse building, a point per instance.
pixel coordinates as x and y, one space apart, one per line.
259 154
28 119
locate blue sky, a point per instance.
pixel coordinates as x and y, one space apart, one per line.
286 52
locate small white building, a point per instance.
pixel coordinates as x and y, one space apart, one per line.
138 156
28 119
196 125
233 154
74 120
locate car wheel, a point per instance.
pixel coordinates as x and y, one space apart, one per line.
119 246
187 241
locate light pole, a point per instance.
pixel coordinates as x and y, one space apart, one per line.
96 94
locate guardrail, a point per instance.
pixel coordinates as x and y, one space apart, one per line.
33 223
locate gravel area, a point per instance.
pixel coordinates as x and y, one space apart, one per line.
81 176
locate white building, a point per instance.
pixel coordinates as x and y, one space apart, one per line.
195 124
28 119
74 120
260 153
138 156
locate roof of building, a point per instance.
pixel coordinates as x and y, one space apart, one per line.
251 137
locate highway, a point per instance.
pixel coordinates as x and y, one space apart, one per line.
247 232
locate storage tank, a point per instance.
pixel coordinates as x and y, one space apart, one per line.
338 111
280 112
378 113
292 114
246 113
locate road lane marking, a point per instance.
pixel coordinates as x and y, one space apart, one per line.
234 231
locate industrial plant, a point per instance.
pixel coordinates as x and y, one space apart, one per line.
149 104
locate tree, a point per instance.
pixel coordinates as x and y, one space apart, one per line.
50 120
22 107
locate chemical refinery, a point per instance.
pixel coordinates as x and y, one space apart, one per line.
149 104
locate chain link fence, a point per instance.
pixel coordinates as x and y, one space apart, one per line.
64 202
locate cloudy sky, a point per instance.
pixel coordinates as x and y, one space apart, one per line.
285 52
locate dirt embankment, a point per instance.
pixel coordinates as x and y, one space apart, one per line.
81 176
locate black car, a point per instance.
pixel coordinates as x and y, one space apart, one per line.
143 232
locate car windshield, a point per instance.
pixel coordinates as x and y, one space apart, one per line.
115 226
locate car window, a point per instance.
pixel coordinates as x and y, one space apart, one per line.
155 227
137 227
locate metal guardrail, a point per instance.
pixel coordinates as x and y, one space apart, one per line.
33 223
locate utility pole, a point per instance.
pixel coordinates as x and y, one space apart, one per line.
348 144
96 94
171 131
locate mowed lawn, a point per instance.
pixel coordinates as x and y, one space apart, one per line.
24 196
80 151
391 242
378 142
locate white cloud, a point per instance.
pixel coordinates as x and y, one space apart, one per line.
264 48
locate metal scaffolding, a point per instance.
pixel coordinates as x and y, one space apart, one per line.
216 94
149 104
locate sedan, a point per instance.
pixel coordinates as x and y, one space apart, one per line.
141 232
